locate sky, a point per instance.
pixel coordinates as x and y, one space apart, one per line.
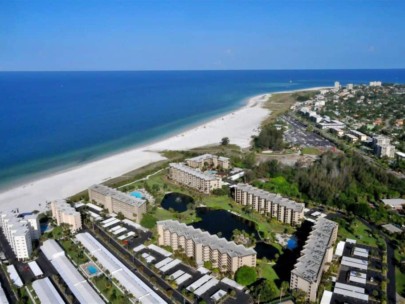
60 35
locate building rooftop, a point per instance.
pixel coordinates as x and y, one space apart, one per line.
394 202
118 195
276 198
203 157
391 228
203 237
197 173
309 265
46 292
142 292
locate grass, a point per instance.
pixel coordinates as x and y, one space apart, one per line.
361 233
265 270
311 151
72 250
108 289
400 281
278 104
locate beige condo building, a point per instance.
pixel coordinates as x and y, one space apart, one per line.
315 256
193 178
202 246
274 205
116 201
64 213
208 160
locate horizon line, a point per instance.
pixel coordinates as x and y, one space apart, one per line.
199 70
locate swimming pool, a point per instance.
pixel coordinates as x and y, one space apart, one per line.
292 243
137 194
90 269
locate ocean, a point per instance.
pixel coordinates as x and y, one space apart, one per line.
51 121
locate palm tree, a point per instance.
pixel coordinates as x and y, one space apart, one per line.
284 287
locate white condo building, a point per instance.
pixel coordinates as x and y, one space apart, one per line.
66 214
19 233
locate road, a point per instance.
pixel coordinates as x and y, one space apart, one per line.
101 236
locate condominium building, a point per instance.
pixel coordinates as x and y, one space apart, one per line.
204 247
116 201
359 135
208 160
382 146
271 204
315 256
66 214
18 234
193 178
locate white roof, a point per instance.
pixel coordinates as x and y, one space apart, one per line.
142 292
353 262
46 292
232 283
361 252
163 262
139 248
94 207
204 288
326 297
51 249
160 250
203 270
35 268
181 279
73 279
351 241
204 279
15 278
170 265
358 277
394 202
121 230
3 298
176 274
339 248
133 224
218 295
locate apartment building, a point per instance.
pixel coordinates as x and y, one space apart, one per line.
193 178
208 160
271 204
202 246
315 256
18 234
359 135
116 201
64 213
382 146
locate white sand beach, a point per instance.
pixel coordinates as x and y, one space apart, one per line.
239 126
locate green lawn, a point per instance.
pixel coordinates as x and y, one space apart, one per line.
361 233
109 289
72 251
266 271
310 150
400 281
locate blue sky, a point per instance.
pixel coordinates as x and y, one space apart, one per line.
183 35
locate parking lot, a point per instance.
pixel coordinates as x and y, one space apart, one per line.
191 275
297 134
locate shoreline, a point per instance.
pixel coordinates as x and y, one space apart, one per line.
239 125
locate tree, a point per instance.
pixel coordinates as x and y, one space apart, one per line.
300 296
120 216
246 275
284 287
264 291
224 141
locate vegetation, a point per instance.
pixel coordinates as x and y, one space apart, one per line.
109 290
148 221
246 275
269 138
225 141
264 291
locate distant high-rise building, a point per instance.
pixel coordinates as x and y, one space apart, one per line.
350 86
375 83
337 85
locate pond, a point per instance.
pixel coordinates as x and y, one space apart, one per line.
223 223
176 201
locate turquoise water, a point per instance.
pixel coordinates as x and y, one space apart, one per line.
92 270
137 194
51 121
